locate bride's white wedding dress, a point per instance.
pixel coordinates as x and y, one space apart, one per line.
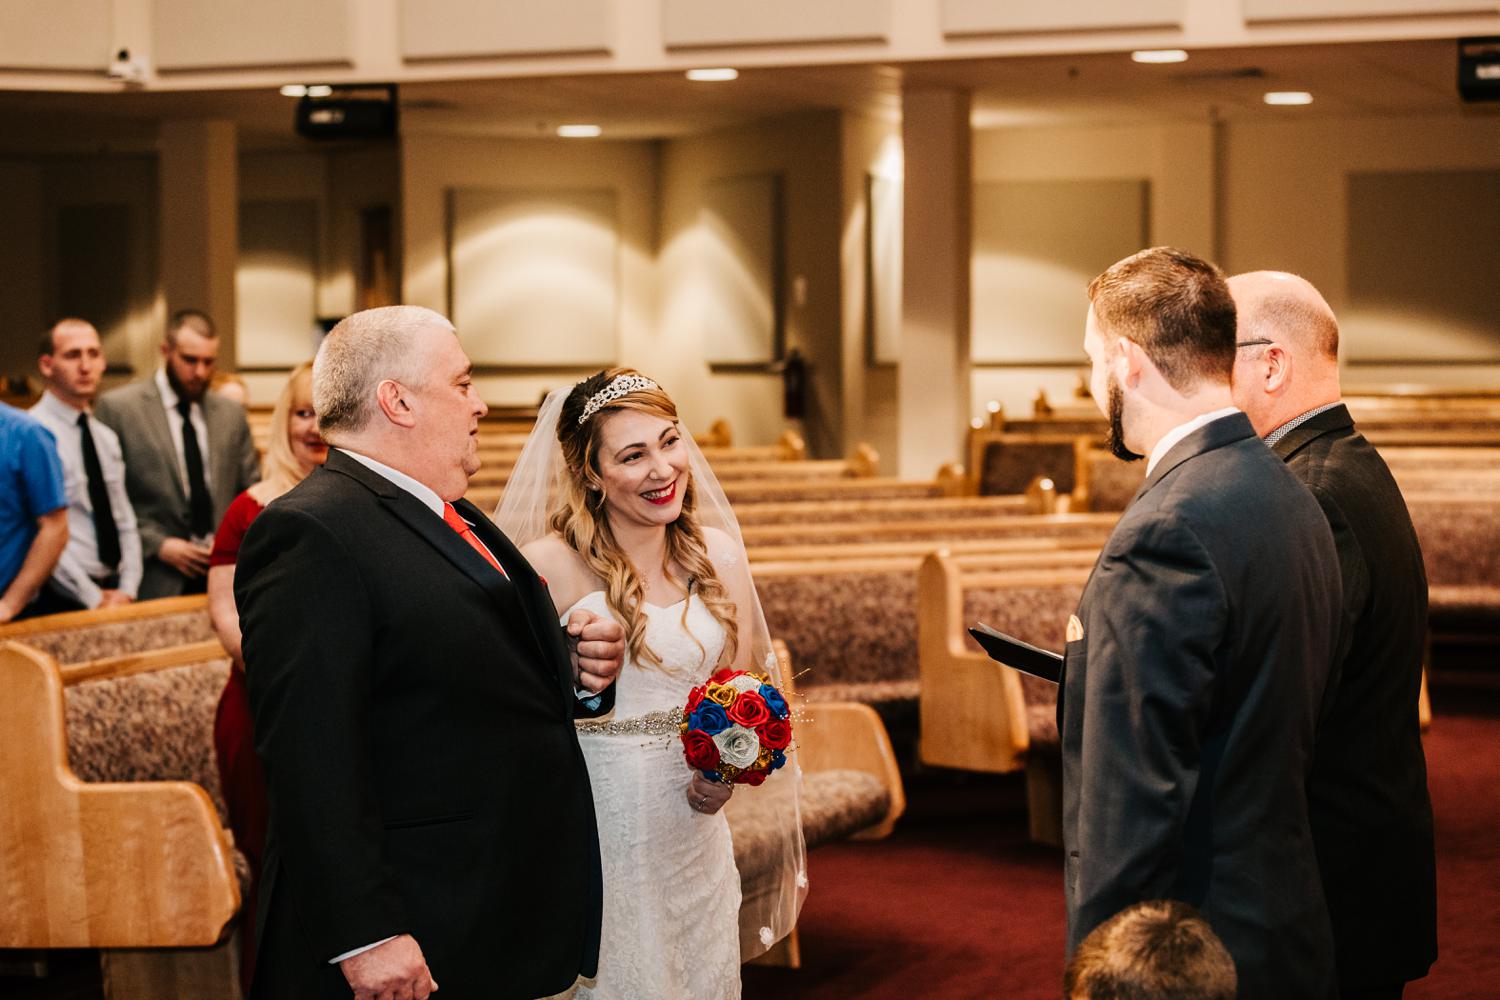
671 890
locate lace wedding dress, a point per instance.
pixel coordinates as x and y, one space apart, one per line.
671 890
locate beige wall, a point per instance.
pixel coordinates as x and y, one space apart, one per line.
871 146
34 194
805 150
1177 161
22 313
433 165
1262 194
1285 206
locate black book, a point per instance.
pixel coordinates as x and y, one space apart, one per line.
1019 655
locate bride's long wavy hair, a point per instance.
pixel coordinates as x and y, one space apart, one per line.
582 519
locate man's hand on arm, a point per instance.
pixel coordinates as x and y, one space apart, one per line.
392 970
113 598
598 649
184 556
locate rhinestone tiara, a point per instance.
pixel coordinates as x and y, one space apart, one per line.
622 385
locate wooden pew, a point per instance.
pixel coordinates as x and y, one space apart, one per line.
888 511
979 715
789 448
143 870
936 531
851 619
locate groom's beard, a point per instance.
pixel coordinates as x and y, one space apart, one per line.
1116 440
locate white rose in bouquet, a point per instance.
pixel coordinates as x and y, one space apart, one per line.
738 746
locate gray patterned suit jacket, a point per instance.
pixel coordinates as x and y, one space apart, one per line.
156 489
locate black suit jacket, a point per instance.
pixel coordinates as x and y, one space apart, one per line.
1371 815
1189 705
413 710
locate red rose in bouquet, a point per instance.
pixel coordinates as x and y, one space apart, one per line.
775 733
749 710
700 751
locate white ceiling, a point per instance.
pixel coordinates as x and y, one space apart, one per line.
1395 78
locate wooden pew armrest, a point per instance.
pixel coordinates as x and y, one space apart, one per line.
973 714
840 735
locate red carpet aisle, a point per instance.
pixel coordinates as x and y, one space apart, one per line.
957 903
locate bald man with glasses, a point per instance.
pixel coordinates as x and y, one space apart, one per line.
1369 807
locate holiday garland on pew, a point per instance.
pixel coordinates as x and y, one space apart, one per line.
736 728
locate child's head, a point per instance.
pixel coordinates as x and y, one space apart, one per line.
1156 950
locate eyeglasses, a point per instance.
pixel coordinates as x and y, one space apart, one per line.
1254 343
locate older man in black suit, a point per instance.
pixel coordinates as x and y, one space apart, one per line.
413 696
1371 814
1202 644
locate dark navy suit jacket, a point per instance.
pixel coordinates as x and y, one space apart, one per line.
1189 705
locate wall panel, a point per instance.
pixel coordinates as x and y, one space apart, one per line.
276 283
77 34
535 275
694 23
192 34
1293 10
987 17
1037 245
446 29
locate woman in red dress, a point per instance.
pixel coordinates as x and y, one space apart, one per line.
294 449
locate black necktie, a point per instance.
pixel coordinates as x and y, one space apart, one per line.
105 531
198 500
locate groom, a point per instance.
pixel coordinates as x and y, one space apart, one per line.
413 695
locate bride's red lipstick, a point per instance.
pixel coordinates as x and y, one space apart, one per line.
665 498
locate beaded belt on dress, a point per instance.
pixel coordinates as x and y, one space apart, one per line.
650 724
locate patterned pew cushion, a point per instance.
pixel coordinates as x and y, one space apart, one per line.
156 726
835 805
78 645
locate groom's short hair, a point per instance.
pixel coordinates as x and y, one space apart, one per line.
1155 950
358 354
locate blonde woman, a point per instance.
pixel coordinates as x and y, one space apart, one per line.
294 450
614 505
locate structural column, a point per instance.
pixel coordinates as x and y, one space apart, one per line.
199 174
933 382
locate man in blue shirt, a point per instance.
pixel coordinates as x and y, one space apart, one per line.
33 510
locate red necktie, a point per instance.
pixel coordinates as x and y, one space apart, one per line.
454 520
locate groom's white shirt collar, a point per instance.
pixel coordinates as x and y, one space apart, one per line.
1183 430
426 494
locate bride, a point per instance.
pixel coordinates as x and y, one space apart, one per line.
616 508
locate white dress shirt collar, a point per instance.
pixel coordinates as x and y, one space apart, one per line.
164 387
426 494
55 408
1181 431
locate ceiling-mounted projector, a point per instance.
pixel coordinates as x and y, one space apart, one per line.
1479 68
355 111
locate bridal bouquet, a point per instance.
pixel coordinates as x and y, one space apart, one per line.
736 728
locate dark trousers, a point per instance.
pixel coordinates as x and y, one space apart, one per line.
51 601
1392 992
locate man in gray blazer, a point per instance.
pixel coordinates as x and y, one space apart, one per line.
188 453
1197 661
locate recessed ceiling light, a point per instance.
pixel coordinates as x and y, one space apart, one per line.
1159 56
579 131
294 90
1288 98
713 74
320 90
